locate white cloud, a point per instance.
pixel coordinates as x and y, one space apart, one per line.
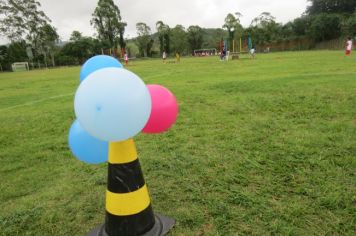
69 15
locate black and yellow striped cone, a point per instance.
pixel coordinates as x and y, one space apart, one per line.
128 205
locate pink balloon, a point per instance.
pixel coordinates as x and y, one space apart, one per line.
164 109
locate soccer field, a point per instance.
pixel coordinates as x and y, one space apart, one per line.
262 147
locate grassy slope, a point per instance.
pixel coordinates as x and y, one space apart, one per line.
262 146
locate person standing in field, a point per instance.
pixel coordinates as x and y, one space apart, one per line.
164 56
223 55
177 57
126 58
348 46
252 52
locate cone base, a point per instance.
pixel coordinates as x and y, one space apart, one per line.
163 225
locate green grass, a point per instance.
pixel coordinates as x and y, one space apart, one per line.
261 147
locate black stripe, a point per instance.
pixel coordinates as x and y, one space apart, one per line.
125 178
131 225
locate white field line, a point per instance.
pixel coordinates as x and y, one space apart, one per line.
65 95
37 101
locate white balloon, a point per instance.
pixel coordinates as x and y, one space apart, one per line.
112 104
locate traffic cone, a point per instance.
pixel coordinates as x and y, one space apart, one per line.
128 206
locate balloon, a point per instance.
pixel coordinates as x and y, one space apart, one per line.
112 104
164 110
96 63
85 147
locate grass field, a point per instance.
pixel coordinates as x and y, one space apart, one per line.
261 147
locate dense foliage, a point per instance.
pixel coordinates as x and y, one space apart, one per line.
22 20
332 6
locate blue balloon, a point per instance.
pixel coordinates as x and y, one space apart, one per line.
112 104
97 63
85 147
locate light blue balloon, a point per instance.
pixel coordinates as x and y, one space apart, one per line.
97 63
112 104
85 147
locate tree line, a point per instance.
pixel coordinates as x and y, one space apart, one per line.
35 40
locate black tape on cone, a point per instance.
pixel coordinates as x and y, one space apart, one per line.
125 178
132 225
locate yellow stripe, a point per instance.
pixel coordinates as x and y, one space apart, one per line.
124 204
122 152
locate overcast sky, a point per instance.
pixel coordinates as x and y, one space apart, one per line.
69 15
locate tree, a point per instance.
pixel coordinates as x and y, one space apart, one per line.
22 20
195 37
144 40
286 31
331 6
331 18
132 48
325 27
108 23
16 52
75 36
264 29
212 37
232 25
79 49
163 36
179 39
301 25
3 57
48 38
263 20
350 25
149 47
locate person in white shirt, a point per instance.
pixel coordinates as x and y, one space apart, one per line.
348 46
252 52
164 56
